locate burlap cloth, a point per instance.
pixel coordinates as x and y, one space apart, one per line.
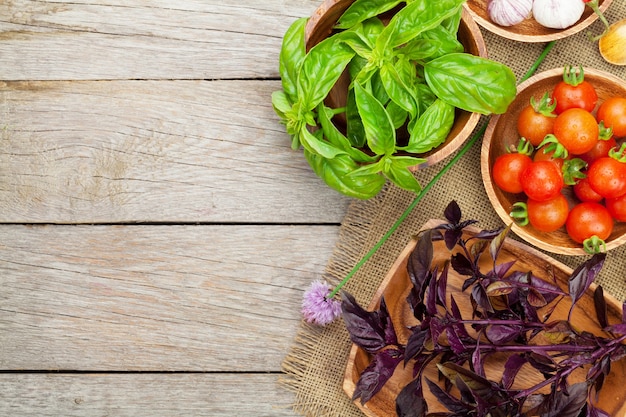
314 366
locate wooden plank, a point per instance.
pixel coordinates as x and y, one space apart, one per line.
157 151
138 39
146 298
143 395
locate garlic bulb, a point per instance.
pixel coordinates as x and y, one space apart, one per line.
509 12
558 14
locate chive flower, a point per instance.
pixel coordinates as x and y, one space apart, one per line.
317 307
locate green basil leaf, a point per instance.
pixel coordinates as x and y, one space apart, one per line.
377 88
397 114
336 138
357 43
443 41
362 10
318 146
419 49
397 89
424 97
355 131
415 18
369 169
321 69
471 83
396 169
291 55
281 103
379 131
432 128
452 23
336 174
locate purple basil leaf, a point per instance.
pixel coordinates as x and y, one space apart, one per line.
480 387
479 295
583 276
499 334
415 344
501 270
431 296
437 327
488 234
451 237
600 304
420 261
535 298
512 366
570 404
497 242
410 401
478 361
542 362
377 373
596 412
453 212
462 265
456 344
468 283
617 328
363 326
449 401
385 321
442 285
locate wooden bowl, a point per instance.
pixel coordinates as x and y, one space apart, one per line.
501 133
320 26
395 288
529 30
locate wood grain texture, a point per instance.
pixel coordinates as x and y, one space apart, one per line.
143 395
154 298
139 39
158 151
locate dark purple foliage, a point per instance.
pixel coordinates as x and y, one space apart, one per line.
510 310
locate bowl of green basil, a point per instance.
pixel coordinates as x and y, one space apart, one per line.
373 91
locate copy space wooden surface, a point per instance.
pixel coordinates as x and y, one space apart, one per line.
156 229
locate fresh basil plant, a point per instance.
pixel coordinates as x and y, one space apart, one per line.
410 74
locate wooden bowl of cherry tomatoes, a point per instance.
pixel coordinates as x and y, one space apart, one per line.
551 166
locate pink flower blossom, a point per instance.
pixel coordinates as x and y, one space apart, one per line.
316 308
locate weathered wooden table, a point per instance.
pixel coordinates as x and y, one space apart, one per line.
157 231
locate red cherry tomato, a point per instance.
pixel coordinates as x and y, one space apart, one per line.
584 192
601 148
540 155
574 92
607 177
548 216
534 124
589 219
617 207
577 130
612 112
542 180
507 170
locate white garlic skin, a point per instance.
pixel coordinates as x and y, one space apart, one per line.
509 12
558 14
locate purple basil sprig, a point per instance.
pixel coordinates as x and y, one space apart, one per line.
522 310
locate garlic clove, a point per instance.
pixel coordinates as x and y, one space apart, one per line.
558 14
509 12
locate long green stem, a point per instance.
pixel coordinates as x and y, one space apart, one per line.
468 145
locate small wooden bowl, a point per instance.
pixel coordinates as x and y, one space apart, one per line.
529 30
501 133
321 25
396 286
